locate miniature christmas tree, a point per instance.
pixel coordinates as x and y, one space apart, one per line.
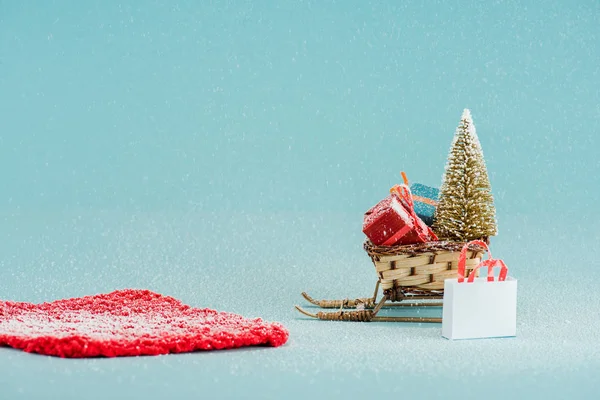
465 210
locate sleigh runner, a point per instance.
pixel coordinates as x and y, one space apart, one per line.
408 276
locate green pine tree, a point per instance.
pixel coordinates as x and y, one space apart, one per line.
465 209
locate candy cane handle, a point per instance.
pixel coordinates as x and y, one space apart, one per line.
462 259
490 264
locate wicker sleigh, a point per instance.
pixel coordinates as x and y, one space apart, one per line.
405 273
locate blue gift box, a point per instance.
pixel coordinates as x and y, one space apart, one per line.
425 199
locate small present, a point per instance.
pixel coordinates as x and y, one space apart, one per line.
393 221
476 308
425 199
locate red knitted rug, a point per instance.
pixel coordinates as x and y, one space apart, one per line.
128 323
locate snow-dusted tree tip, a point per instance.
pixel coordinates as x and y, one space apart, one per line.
466 115
466 206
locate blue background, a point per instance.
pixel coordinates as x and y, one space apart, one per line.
224 153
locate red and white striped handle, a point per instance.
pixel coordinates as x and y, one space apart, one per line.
490 263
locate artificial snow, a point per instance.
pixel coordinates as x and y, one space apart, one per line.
170 254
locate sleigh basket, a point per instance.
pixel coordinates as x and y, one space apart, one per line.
418 269
405 273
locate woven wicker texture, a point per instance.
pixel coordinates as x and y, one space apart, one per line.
419 268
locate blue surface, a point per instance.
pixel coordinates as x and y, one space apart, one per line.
225 152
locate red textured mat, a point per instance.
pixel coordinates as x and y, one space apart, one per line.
128 323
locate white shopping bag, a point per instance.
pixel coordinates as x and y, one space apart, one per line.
477 308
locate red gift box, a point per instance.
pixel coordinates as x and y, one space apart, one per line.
393 221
